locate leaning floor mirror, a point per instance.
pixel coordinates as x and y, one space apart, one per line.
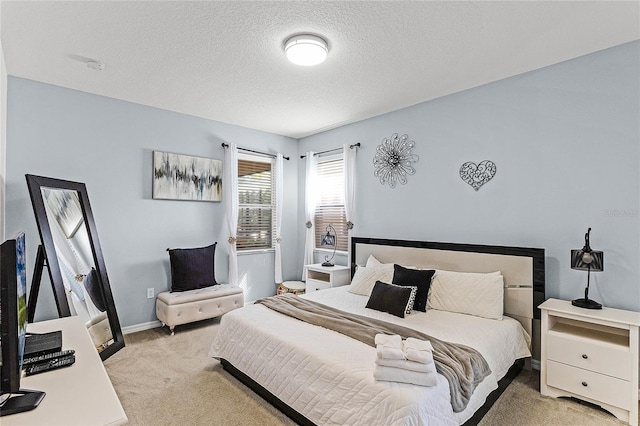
72 254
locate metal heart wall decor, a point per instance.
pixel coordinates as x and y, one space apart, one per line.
477 175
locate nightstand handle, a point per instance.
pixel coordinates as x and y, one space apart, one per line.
584 356
584 384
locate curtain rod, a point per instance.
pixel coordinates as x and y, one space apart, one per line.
331 150
226 145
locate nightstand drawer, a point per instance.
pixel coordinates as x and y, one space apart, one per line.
315 285
591 355
588 384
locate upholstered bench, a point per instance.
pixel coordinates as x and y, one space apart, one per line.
182 307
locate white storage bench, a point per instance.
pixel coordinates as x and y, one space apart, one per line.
183 307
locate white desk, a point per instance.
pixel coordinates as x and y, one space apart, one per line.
81 394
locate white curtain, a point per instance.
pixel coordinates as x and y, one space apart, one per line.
310 196
230 190
279 199
349 158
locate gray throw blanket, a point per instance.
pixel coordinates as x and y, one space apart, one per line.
462 366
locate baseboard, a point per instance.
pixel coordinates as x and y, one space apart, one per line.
535 364
141 327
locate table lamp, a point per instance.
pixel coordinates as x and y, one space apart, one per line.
588 260
329 240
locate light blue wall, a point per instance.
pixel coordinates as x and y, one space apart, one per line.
108 145
565 139
566 143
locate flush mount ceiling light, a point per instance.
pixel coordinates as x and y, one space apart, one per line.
306 49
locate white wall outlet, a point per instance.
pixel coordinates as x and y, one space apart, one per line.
150 293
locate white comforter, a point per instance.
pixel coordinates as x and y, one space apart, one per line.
328 377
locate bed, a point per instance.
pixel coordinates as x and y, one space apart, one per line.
319 376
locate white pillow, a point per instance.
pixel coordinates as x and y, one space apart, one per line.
365 278
468 293
372 261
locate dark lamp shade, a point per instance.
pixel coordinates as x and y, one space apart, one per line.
328 240
580 260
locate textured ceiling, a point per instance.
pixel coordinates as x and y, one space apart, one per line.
225 61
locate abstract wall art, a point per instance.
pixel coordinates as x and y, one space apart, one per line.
64 206
184 177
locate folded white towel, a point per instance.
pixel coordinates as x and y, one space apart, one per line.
418 350
407 365
389 346
392 340
417 344
390 374
423 357
388 352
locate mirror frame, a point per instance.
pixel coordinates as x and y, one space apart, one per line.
35 184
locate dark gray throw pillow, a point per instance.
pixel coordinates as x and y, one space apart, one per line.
394 299
192 268
420 278
94 290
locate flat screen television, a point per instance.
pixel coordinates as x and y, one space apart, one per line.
13 328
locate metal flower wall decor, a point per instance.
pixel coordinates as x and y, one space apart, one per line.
393 160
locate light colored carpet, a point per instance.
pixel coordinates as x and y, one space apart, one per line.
170 380
521 404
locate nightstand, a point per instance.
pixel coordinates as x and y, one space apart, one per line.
591 355
321 277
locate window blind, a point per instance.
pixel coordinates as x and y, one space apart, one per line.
330 204
256 203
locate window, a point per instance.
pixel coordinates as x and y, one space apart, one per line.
330 204
256 203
